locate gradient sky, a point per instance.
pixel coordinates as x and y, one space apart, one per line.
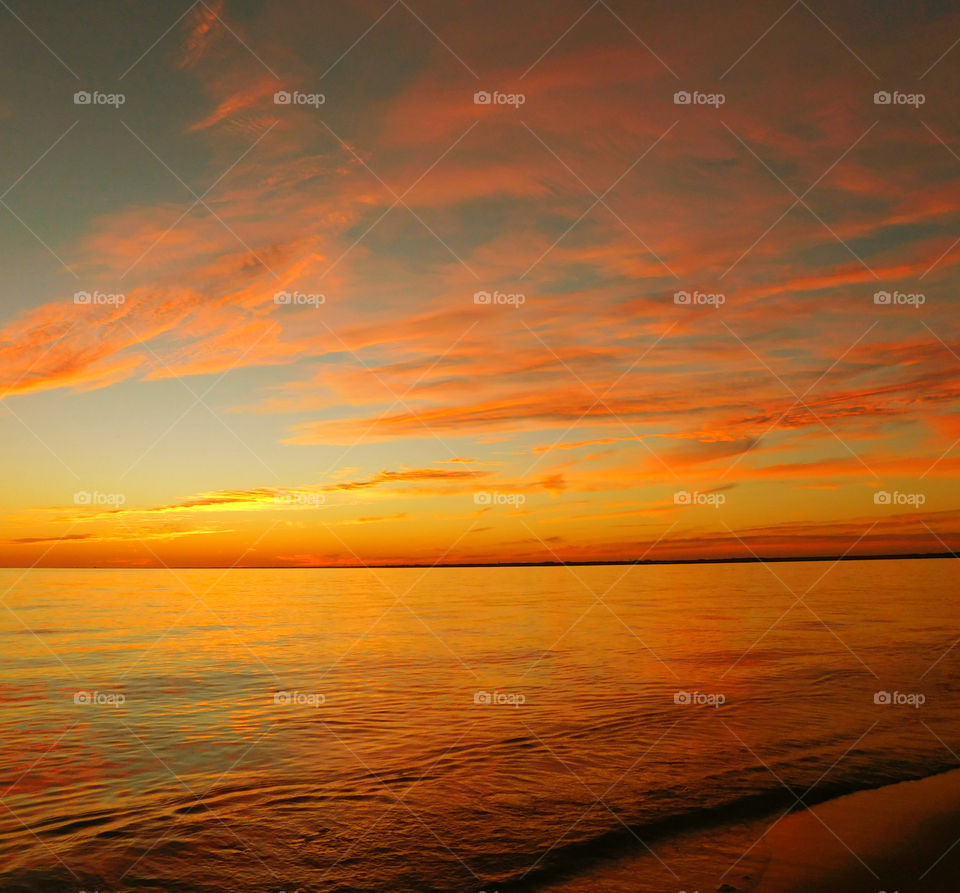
236 430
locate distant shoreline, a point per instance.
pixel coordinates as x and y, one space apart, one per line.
427 566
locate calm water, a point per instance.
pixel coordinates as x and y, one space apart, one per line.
188 768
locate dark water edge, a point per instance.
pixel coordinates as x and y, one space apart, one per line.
585 857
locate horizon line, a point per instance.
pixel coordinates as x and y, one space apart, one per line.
750 559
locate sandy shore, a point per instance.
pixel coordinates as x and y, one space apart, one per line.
903 838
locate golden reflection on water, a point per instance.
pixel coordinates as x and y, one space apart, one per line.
451 727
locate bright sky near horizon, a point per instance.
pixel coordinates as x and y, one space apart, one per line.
282 288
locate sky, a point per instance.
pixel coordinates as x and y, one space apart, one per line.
390 322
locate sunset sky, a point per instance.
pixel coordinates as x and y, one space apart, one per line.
194 418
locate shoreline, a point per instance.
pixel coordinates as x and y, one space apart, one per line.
902 837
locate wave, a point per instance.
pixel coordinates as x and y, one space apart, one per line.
582 857
520 871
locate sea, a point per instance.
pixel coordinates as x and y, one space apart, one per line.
618 727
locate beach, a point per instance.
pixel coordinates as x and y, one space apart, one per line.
903 837
479 447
